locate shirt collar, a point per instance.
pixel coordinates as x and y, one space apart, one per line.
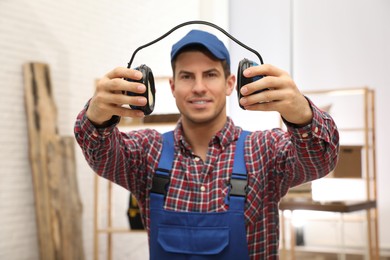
228 134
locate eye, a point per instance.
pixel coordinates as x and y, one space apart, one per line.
212 74
185 76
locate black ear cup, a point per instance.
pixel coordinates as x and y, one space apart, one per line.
242 80
150 93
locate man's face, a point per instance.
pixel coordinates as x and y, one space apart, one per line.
200 88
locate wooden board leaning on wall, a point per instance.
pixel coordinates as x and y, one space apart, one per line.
57 201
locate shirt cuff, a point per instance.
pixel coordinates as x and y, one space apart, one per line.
97 132
317 128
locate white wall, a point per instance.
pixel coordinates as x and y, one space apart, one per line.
333 44
346 44
265 27
81 41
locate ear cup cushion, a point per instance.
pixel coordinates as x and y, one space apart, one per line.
150 93
242 80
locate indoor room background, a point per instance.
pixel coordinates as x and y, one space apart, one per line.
323 44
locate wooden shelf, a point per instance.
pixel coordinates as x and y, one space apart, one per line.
333 206
369 206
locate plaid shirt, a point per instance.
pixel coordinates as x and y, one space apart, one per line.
276 160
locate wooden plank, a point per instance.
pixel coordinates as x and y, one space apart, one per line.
161 118
335 206
57 202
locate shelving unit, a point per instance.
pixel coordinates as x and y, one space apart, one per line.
109 229
366 135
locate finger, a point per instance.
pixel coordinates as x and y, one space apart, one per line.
122 72
265 70
120 99
122 85
119 86
261 97
262 84
283 81
264 106
122 111
128 112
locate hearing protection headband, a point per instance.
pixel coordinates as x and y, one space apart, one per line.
194 22
148 79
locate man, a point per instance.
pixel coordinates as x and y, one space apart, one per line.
199 206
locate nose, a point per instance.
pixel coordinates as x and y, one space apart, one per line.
199 86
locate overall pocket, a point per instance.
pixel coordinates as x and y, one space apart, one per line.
193 240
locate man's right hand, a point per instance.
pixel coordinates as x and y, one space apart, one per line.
109 98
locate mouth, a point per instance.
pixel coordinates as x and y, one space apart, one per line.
200 103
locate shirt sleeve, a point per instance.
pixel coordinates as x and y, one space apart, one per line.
125 158
313 150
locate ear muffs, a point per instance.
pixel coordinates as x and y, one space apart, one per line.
150 93
148 79
242 80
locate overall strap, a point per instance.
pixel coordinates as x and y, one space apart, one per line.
162 175
167 153
239 181
239 168
239 175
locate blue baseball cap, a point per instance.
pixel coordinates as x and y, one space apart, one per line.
208 40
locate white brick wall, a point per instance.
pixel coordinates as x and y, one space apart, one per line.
81 41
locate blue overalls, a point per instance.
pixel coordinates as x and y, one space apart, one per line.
194 235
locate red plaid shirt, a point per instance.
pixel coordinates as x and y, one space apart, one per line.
276 160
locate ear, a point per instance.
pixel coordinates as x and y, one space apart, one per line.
230 82
172 84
